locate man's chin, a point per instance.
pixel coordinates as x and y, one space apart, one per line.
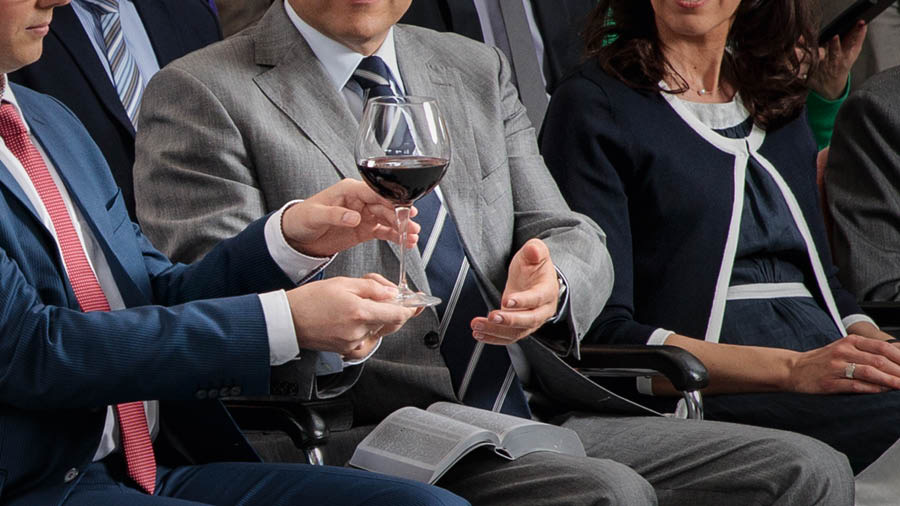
29 57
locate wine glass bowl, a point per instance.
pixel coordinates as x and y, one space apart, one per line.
402 152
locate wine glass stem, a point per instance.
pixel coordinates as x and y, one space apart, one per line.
402 213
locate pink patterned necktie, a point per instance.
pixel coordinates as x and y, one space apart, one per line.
132 420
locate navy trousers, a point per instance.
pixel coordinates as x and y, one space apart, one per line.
251 484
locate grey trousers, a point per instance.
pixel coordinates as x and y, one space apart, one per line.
635 461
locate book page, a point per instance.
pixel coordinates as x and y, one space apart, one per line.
498 423
415 444
518 436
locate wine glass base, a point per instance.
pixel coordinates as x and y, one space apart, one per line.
413 299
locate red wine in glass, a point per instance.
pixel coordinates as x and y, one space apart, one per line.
403 180
402 151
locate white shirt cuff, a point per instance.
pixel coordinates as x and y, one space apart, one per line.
283 345
856 318
297 266
657 338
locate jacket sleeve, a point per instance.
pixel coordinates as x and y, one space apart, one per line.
576 243
861 190
65 358
588 154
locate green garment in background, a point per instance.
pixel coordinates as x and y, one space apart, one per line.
821 112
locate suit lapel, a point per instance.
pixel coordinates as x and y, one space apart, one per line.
7 180
297 85
71 33
426 76
83 192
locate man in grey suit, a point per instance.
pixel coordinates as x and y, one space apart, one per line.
233 131
862 182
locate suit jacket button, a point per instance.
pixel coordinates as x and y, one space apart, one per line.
213 393
432 339
71 474
200 395
236 391
224 391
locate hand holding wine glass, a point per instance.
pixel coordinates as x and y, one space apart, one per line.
341 216
402 151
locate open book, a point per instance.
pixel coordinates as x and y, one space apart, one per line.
422 445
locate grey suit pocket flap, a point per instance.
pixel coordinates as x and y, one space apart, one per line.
495 184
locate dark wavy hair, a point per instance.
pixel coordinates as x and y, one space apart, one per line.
771 49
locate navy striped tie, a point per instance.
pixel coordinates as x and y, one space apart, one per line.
376 80
122 65
374 76
483 375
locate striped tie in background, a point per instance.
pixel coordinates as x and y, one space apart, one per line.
122 65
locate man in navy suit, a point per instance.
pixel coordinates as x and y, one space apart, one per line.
95 321
75 65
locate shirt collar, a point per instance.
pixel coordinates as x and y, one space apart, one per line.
7 95
339 60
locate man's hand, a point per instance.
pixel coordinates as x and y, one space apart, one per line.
346 315
835 59
529 299
340 217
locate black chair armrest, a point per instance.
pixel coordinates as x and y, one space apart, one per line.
885 314
680 367
300 421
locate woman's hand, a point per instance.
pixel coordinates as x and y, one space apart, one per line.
875 367
835 59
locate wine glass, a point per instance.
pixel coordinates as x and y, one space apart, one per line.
402 151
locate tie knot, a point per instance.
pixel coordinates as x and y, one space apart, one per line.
372 72
104 6
11 124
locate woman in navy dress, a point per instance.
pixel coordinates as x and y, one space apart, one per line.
684 136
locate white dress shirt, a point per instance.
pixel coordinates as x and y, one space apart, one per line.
135 35
283 345
340 61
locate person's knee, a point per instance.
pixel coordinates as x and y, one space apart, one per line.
809 471
605 482
624 486
416 495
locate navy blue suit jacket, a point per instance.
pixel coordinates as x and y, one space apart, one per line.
60 367
70 70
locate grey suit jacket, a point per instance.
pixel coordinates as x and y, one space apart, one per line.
862 182
238 129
